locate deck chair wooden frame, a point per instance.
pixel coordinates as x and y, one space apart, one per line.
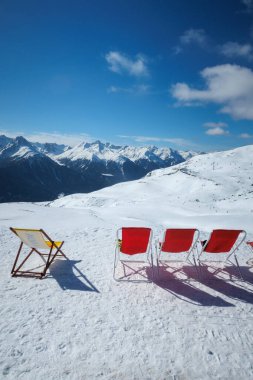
173 244
35 239
125 258
218 248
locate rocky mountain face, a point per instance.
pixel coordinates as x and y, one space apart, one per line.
26 174
37 172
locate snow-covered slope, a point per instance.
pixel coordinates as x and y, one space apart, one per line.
78 323
208 184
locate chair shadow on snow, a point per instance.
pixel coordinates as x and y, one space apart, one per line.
247 273
228 285
69 277
186 291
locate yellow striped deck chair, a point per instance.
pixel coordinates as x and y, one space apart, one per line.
36 240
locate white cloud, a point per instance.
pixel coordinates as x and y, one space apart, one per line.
47 137
215 125
121 64
216 128
190 37
230 86
146 139
230 49
217 131
246 136
140 89
234 50
193 36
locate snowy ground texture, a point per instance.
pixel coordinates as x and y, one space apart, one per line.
78 323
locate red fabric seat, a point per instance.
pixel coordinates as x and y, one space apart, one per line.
221 241
135 240
178 240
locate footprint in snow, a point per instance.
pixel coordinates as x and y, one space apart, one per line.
62 346
6 370
40 348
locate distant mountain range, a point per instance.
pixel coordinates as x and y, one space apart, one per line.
216 186
37 172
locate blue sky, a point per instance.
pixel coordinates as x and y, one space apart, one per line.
142 72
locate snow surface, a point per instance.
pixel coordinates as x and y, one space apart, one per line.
78 323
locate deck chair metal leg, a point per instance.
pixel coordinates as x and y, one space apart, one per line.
238 267
196 267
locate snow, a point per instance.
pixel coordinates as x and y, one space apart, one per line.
24 152
78 323
188 154
107 152
18 148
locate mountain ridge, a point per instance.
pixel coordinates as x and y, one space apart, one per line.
37 172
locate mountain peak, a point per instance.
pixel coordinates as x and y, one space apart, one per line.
18 148
4 140
21 141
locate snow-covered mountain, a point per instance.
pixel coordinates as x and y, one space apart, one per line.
26 174
107 164
214 182
97 151
17 149
187 154
52 149
85 167
4 141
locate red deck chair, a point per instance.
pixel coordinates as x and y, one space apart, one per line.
222 242
178 241
133 244
36 240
